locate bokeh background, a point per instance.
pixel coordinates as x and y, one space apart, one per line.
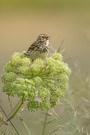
69 20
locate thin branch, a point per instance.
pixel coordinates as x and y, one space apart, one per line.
61 48
25 126
45 122
10 121
15 110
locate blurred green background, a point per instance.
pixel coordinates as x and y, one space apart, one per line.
21 21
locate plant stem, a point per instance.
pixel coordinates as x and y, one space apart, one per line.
44 126
25 126
15 110
4 122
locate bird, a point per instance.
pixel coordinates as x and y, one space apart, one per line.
39 48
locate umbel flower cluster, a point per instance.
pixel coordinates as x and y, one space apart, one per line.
40 82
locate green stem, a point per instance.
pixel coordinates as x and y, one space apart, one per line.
25 126
44 126
3 123
15 110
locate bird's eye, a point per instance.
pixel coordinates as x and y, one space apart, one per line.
42 36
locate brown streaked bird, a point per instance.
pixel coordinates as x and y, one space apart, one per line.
40 48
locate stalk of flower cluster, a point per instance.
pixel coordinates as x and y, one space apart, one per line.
15 110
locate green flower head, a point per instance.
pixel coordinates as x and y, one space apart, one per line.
40 82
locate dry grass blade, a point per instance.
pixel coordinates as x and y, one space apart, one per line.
61 48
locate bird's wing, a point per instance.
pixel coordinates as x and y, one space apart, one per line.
32 46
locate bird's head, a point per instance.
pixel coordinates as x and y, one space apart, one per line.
43 37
